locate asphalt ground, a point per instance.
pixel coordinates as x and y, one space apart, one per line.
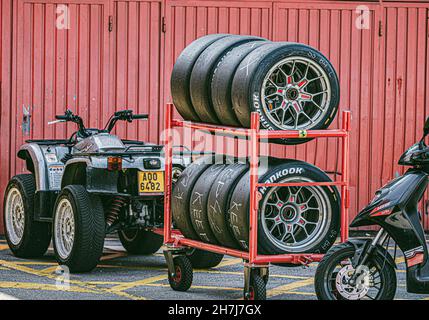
121 276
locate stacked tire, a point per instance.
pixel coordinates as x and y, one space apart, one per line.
221 79
210 203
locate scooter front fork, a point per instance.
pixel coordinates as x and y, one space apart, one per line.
364 252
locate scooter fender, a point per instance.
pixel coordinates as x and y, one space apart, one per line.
361 245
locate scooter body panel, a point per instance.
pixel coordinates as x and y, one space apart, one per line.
395 209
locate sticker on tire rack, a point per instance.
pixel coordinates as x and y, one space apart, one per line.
151 181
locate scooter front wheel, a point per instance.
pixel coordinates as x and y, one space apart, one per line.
376 280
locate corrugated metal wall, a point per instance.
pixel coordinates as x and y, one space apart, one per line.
383 68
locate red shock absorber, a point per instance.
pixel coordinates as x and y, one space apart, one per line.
115 208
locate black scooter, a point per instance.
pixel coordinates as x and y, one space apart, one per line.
363 269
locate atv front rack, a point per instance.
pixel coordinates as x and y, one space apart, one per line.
175 242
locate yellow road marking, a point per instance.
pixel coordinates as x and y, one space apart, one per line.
44 287
211 271
229 262
49 270
3 247
35 263
241 273
133 284
40 273
196 287
105 282
113 256
400 260
289 287
302 293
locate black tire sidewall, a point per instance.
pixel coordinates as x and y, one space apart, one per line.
202 74
180 198
181 74
199 201
218 203
221 82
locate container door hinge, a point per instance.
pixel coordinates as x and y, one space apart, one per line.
110 27
380 28
163 26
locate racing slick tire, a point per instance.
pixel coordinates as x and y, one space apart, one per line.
291 219
221 82
198 203
292 86
217 206
181 75
202 74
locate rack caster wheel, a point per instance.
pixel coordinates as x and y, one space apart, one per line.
181 279
257 288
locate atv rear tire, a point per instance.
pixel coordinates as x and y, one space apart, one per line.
138 241
26 238
201 259
78 229
202 74
181 75
292 86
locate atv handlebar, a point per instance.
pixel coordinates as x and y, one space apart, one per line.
125 115
140 116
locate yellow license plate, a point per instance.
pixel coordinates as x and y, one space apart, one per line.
151 181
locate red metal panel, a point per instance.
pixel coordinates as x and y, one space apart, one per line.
188 20
51 69
137 70
6 31
59 68
330 27
405 82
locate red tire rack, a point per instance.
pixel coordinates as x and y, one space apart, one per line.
175 243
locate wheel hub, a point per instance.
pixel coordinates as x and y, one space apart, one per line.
294 218
350 290
64 230
289 213
291 94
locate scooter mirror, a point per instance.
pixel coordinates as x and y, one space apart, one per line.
426 128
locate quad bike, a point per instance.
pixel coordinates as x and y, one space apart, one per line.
363 268
83 188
